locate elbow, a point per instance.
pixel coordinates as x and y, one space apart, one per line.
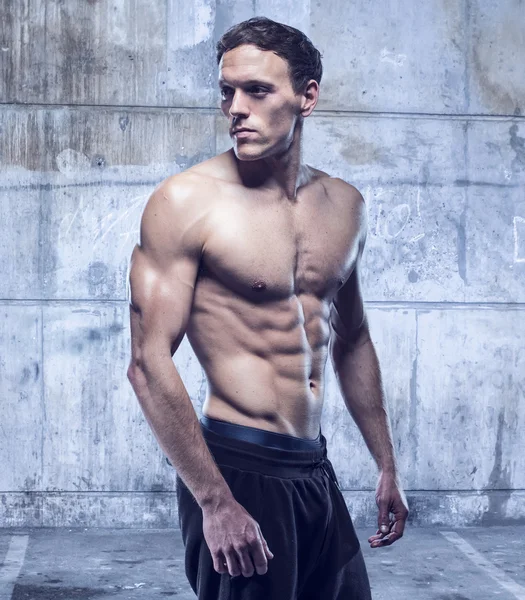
137 363
131 373
137 379
147 366
134 372
343 346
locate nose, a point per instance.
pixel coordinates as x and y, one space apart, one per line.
238 107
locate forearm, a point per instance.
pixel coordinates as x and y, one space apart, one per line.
170 414
359 377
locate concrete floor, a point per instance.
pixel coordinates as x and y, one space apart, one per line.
81 564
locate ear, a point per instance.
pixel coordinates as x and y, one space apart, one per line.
310 97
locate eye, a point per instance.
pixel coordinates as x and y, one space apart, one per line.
258 90
225 92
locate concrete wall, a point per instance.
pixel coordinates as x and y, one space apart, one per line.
421 108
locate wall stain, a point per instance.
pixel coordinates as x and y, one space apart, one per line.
79 45
414 401
496 45
462 246
499 486
115 328
98 161
26 376
494 97
123 122
97 273
94 335
517 143
75 342
465 183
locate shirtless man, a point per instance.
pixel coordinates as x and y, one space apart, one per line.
255 256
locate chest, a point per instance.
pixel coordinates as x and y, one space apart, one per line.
272 250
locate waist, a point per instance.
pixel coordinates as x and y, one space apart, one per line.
238 446
263 437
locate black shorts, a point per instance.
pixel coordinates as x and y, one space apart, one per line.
289 487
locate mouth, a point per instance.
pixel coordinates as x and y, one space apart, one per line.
242 130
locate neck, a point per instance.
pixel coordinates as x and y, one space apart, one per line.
282 171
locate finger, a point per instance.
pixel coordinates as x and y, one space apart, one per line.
393 537
386 541
219 562
258 555
245 562
378 536
267 551
381 542
390 538
231 562
398 528
399 523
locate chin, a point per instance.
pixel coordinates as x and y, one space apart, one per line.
250 152
247 154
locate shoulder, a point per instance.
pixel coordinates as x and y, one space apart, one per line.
335 186
197 179
346 194
185 200
186 189
176 212
341 188
219 168
184 196
350 202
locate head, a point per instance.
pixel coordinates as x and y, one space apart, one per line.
269 76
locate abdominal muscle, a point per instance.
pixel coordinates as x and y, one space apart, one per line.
265 404
264 362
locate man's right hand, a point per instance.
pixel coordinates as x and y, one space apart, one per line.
235 540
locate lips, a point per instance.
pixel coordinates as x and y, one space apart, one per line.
241 129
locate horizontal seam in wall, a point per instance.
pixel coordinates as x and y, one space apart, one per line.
458 183
320 112
369 304
361 490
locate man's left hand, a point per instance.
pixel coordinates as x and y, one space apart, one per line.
390 498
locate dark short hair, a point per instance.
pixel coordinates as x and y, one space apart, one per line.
304 60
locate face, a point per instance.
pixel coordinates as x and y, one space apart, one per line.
256 93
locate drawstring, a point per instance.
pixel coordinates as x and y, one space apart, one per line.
324 464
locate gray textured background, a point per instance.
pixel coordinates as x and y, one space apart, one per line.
421 108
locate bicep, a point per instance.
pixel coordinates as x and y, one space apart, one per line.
160 303
162 276
347 313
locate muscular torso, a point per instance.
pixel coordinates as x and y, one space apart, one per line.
259 322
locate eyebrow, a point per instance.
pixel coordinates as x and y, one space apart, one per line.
248 83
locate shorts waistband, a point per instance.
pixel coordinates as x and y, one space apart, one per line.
276 461
263 437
